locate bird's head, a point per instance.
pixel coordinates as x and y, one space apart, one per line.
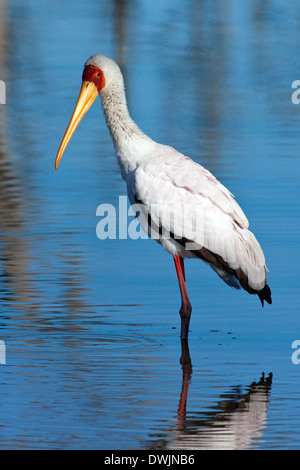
98 74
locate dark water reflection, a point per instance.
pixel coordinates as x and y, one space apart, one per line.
91 327
236 422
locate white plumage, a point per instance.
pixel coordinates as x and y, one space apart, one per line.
188 210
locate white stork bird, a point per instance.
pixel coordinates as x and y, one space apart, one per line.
177 196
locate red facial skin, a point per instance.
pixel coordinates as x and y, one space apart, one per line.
94 75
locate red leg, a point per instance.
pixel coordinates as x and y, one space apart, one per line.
186 308
182 266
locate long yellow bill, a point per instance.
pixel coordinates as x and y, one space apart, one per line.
86 98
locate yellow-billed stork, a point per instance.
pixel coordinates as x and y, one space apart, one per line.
194 214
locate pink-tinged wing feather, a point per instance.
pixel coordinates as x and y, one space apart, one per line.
196 179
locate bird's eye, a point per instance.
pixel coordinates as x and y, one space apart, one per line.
99 74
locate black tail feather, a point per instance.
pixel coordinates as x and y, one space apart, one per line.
216 260
265 294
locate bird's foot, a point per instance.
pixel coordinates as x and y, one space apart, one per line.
185 314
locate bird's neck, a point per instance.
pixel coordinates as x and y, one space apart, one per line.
131 144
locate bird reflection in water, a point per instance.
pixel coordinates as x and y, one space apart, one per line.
234 423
